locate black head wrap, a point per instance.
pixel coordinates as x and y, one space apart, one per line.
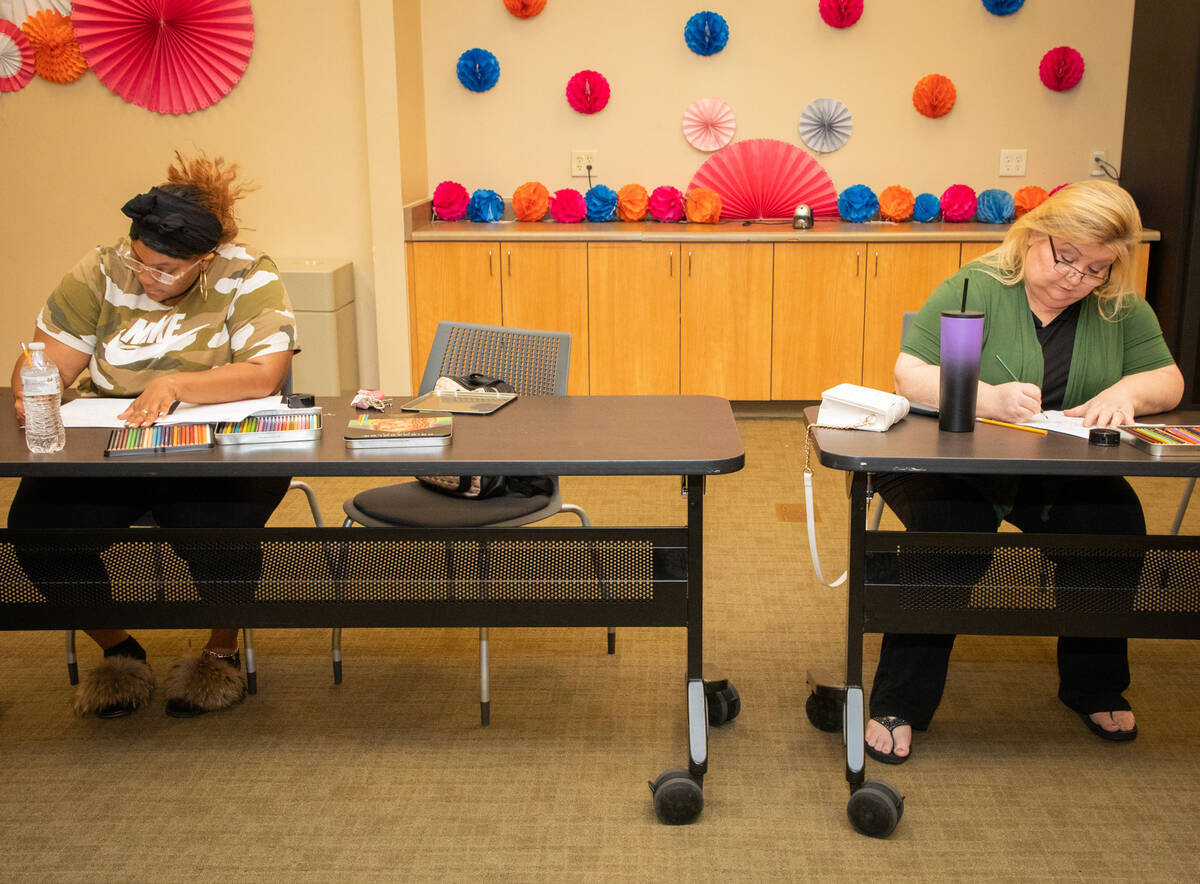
173 225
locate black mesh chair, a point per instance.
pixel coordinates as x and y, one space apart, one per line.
535 363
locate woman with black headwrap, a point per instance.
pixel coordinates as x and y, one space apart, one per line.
176 311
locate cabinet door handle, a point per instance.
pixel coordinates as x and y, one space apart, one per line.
877 262
857 258
671 262
509 253
490 273
689 263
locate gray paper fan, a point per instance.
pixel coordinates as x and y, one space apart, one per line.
825 124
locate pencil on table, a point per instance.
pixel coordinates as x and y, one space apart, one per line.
986 420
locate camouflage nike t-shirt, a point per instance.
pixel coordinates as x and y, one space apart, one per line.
99 308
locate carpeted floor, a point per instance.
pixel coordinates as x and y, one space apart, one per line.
389 776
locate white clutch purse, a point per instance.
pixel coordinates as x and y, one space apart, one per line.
850 406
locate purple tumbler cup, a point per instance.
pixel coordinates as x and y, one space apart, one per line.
962 341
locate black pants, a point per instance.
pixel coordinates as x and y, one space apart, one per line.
1093 672
106 504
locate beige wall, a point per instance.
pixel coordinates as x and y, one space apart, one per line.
73 154
780 56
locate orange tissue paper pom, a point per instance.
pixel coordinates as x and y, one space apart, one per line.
531 201
703 206
934 95
896 203
56 54
524 8
1029 198
632 202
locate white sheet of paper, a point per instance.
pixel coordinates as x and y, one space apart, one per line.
100 411
1057 422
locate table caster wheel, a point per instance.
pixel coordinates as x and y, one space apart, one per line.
723 705
678 797
824 713
875 809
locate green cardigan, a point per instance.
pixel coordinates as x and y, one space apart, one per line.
1105 350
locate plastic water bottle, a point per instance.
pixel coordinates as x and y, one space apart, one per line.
41 388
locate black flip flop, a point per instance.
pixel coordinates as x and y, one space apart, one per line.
891 722
1111 736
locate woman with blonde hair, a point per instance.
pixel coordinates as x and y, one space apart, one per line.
1061 316
176 311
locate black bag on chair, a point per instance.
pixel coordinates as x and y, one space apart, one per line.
478 487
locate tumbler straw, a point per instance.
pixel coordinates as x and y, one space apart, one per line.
963 309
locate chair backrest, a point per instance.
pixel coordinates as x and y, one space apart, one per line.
534 362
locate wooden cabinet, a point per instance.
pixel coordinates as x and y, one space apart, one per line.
899 277
817 325
838 309
545 286
459 281
526 285
725 320
633 318
743 320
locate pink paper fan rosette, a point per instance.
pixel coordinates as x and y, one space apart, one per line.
958 203
567 206
840 13
588 92
450 201
766 178
16 58
1061 69
708 124
168 56
666 203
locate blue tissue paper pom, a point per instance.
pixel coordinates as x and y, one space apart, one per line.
926 207
485 205
1003 7
601 203
857 203
478 70
995 206
706 33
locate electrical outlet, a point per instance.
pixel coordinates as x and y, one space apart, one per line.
1012 162
1096 162
580 160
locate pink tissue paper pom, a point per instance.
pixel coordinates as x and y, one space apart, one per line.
588 92
666 203
958 203
840 13
450 201
1061 68
567 206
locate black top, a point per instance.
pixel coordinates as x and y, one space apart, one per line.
534 436
1058 341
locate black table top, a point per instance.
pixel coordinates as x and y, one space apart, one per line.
916 444
555 436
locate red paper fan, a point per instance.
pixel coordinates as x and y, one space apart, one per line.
765 178
16 58
169 56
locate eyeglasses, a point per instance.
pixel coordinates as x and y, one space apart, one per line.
1067 270
126 256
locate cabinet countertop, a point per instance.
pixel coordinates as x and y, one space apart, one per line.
728 231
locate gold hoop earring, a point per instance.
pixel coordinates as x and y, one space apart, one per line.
203 284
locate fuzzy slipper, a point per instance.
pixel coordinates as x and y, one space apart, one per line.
891 722
1111 736
203 684
115 688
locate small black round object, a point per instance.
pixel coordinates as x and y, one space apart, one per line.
1104 436
301 400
